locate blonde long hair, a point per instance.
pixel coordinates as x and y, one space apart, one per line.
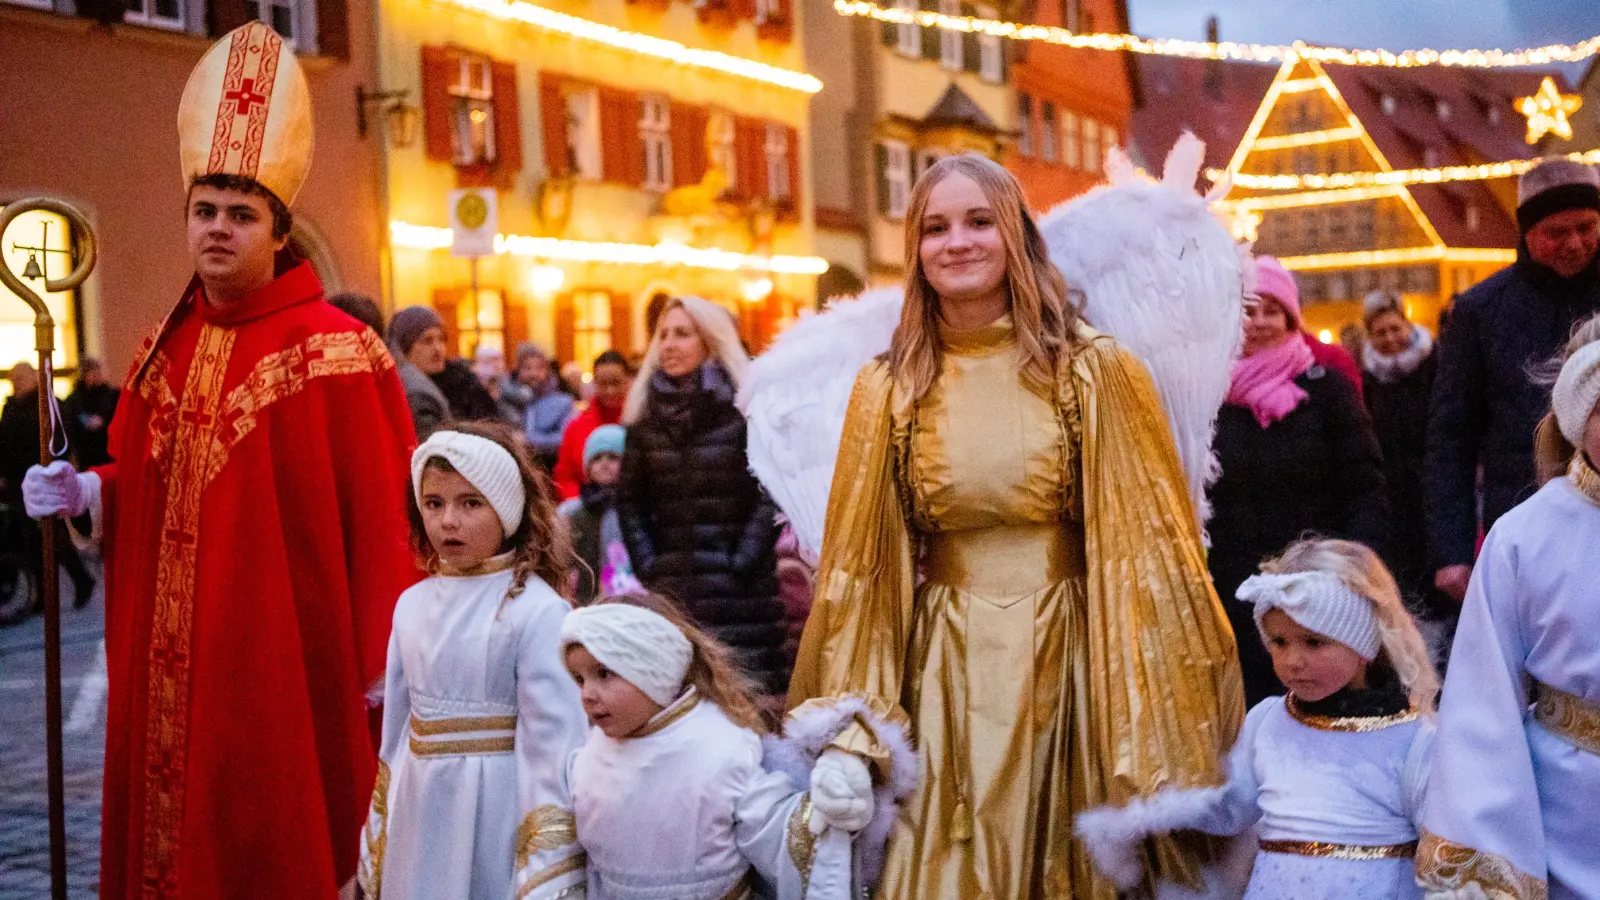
1552 452
717 328
1364 573
1046 322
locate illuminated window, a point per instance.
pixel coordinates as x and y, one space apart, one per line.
52 233
908 38
160 13
896 183
1092 158
591 324
472 111
778 162
1049 132
583 133
1071 140
991 55
950 53
289 18
480 322
655 131
1024 125
719 143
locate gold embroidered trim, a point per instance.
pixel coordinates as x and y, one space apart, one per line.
156 391
656 726
1584 478
172 620
377 844
1342 851
468 747
545 828
488 567
573 863
1443 865
464 725
1359 724
1567 717
740 891
802 843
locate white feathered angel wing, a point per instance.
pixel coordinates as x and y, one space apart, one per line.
795 395
1160 273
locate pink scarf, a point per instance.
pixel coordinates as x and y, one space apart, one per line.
1265 382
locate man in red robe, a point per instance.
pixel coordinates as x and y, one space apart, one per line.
254 532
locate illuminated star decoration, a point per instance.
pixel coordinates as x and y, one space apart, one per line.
1547 112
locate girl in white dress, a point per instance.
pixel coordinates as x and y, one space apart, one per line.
1513 812
672 796
479 716
1333 775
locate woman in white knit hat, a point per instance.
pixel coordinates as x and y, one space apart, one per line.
679 792
1511 811
478 714
1334 774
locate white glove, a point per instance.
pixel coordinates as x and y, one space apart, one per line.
54 490
841 793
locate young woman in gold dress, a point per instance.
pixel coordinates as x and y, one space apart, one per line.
1064 648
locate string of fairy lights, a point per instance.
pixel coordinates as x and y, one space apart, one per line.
1224 50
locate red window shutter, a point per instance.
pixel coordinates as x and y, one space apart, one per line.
749 145
621 148
438 67
743 10
516 313
566 327
507 118
621 325
553 125
688 144
333 29
793 137
445 302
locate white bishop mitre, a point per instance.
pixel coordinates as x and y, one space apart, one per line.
247 111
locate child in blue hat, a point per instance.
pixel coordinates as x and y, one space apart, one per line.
592 516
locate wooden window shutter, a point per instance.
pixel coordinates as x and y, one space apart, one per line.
930 36
438 67
792 137
333 28
621 326
688 143
971 54
553 126
883 178
566 327
891 36
743 10
516 318
445 303
749 143
507 118
621 148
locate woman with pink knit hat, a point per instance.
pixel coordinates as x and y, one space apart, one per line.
1298 455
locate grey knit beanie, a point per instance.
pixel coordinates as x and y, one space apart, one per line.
1556 185
408 326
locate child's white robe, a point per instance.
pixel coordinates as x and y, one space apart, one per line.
1515 806
484 823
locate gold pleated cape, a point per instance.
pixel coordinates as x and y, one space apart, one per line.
1067 649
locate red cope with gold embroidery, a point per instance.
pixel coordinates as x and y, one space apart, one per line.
255 539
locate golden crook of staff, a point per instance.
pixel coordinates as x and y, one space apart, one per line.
44 342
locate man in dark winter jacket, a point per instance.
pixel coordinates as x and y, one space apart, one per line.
1486 403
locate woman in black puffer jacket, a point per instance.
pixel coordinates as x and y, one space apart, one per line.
698 526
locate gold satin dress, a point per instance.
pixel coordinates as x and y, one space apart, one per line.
1034 691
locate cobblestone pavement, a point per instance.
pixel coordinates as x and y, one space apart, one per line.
24 816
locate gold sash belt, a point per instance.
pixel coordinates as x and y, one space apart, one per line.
490 734
1342 851
1570 718
1004 561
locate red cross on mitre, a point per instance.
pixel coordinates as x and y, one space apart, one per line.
245 97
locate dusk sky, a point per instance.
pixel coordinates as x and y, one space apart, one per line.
1390 24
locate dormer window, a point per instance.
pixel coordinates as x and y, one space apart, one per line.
1389 104
1442 107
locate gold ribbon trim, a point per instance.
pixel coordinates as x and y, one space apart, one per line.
1360 724
465 725
1584 478
377 844
802 843
547 827
1341 851
470 747
1444 865
573 863
665 719
1567 717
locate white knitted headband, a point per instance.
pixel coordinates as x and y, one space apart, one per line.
646 649
485 465
1321 602
1577 391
